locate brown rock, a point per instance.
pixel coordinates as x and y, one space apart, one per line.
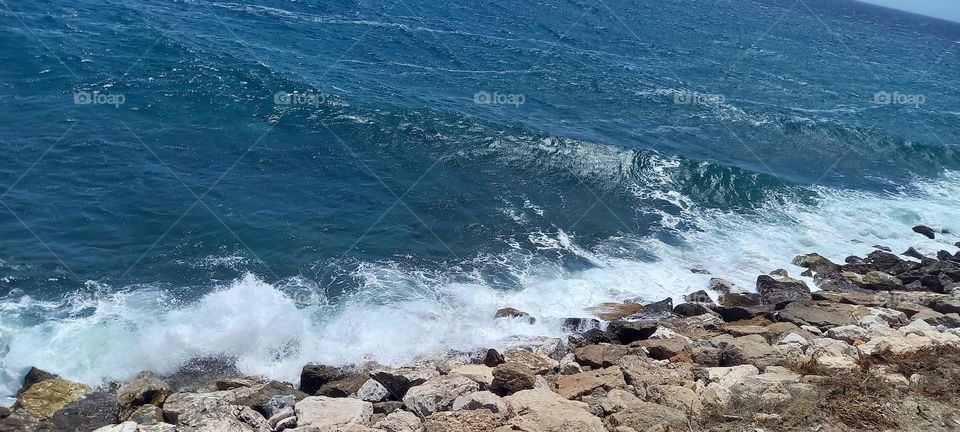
573 386
534 361
613 311
510 378
599 355
822 314
642 371
462 421
513 313
778 290
663 349
544 410
645 416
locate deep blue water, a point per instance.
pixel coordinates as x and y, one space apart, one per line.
651 137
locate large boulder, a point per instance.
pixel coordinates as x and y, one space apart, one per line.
755 350
93 411
778 290
438 394
238 407
43 399
599 355
324 413
143 389
576 385
510 378
372 391
543 410
631 331
535 361
33 376
925 231
314 376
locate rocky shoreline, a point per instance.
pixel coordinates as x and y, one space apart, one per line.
877 347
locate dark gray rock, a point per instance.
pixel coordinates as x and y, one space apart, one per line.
913 253
816 263
925 230
386 407
343 387
261 399
4 412
92 412
660 309
883 248
737 313
579 325
196 373
945 256
692 309
514 313
631 331
699 297
493 358
734 299
395 383
780 272
946 305
510 378
781 290
314 376
275 404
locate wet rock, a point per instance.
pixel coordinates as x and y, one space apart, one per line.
438 394
781 290
264 396
913 253
493 358
613 311
691 309
33 376
4 412
579 325
734 299
145 388
93 411
883 248
816 263
925 230
543 410
514 313
198 371
592 336
397 382
721 286
325 413
779 273
658 310
372 391
699 297
314 376
599 356
699 270
283 419
43 399
880 281
510 378
400 421
630 331
572 386
480 400
463 421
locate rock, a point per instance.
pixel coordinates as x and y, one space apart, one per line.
780 273
572 386
925 230
145 388
816 263
699 270
880 281
93 411
663 349
33 376
579 325
534 361
822 314
913 253
946 305
794 338
781 290
314 376
400 421
482 374
883 248
343 387
854 298
599 355
543 410
677 397
569 365
462 421
283 419
324 413
510 378
513 313
386 407
43 399
438 394
658 310
147 415
641 371
372 391
721 286
698 297
613 311
755 350
480 400
740 313
493 358
235 408
646 416
850 334
267 397
4 412
130 426
630 331
691 309
397 382
733 299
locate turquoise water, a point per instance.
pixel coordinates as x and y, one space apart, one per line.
281 182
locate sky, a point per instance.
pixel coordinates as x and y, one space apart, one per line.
945 9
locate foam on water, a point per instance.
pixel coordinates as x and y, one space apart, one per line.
399 314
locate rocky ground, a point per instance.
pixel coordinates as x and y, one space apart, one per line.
876 348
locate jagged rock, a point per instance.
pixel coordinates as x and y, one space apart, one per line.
780 273
314 376
611 311
397 382
372 391
631 331
4 412
510 378
400 421
572 386
343 387
936 318
648 416
537 362
438 394
883 248
698 297
262 396
482 374
514 313
569 365
600 355
462 421
493 358
43 399
325 413
147 415
33 376
925 230
93 411
145 388
855 298
913 253
641 371
235 408
480 400
793 338
543 410
781 290
880 281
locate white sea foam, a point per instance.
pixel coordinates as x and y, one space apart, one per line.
399 314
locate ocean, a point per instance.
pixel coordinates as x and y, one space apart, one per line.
280 182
